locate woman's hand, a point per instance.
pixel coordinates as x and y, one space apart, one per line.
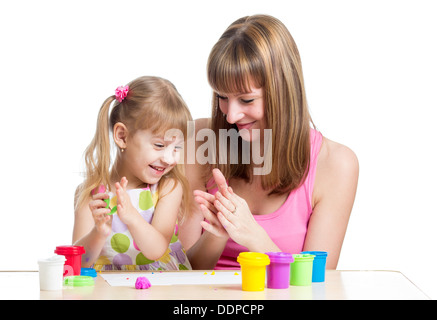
206 204
235 216
125 210
103 222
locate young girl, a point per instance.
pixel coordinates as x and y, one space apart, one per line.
145 186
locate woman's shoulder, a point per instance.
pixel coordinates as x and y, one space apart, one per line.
336 172
336 158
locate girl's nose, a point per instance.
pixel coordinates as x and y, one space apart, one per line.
169 157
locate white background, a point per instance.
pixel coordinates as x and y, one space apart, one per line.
370 71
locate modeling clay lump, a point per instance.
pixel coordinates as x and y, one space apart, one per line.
142 283
102 189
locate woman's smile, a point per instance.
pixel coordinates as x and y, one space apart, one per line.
246 125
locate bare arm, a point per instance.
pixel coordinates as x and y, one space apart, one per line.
190 229
152 238
92 225
203 249
333 197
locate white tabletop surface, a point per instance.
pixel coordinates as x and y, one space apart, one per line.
338 285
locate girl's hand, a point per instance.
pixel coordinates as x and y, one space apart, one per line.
125 210
103 222
206 204
235 216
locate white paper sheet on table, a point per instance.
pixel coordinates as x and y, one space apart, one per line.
173 278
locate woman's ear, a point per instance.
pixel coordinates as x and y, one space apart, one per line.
120 134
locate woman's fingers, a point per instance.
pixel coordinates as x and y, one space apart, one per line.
207 214
226 224
207 196
225 202
212 223
222 185
229 215
220 180
208 227
207 204
206 199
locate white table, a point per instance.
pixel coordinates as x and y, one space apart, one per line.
338 285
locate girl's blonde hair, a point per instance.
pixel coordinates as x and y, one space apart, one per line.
259 50
152 103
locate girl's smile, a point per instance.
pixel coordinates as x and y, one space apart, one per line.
148 157
157 170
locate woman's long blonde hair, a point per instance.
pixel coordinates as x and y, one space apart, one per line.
260 50
152 103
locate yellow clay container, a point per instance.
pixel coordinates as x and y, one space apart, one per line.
253 270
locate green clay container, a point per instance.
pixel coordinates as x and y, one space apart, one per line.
301 270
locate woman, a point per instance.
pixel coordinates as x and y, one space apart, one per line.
300 197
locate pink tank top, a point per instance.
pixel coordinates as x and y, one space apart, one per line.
286 226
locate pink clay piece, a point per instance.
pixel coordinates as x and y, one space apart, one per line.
142 283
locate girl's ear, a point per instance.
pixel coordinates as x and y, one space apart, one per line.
120 133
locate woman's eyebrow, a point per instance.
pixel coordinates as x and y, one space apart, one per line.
249 96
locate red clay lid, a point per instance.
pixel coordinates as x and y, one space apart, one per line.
73 250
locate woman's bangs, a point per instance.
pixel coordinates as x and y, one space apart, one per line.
233 72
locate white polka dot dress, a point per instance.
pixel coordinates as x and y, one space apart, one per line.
120 251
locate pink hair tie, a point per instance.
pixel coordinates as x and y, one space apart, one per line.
121 93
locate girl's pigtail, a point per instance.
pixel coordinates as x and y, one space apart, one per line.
97 156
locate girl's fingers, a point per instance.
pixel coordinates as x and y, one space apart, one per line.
101 211
117 185
124 183
100 196
119 192
96 204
